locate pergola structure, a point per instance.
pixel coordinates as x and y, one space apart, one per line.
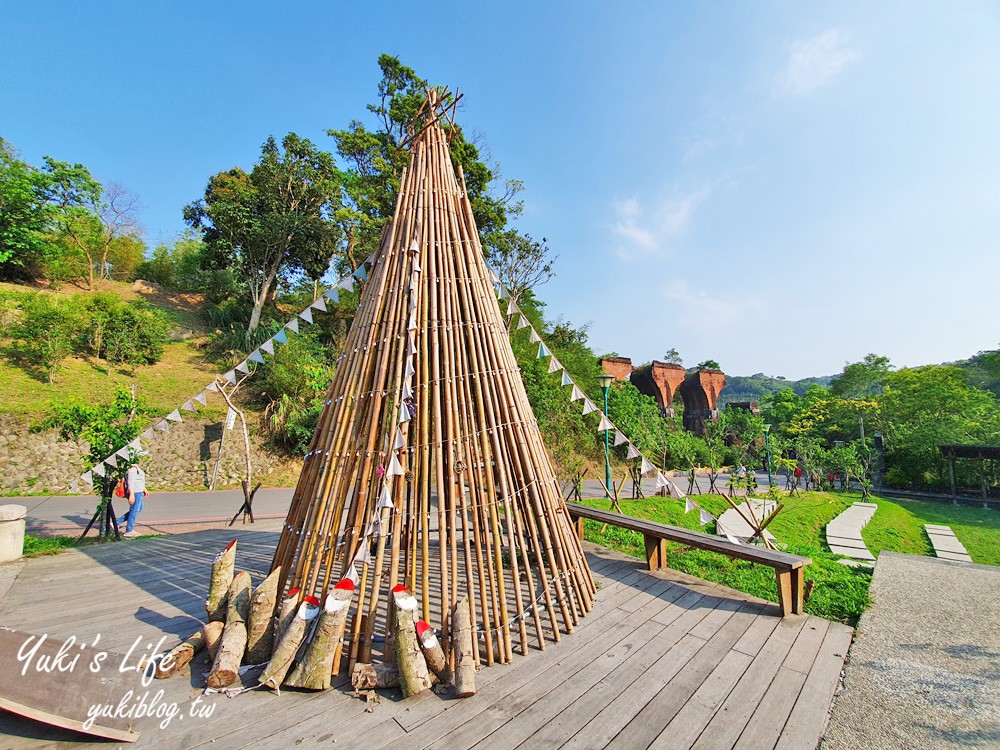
979 453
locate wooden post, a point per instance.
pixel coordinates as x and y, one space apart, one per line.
433 652
461 639
260 626
413 675
226 668
222 577
656 552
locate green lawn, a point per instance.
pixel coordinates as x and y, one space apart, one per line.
839 592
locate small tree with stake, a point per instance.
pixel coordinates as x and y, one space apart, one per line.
106 428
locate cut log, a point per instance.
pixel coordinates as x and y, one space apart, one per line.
179 656
464 658
371 676
213 636
226 667
433 653
222 576
260 626
288 645
413 675
313 672
289 606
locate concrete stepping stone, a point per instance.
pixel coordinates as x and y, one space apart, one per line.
843 533
946 544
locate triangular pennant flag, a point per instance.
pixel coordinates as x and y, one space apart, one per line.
347 283
647 466
619 438
307 315
364 555
188 405
256 356
319 304
123 452
534 338
605 424
661 480
416 266
149 435
400 441
202 398
243 367
231 376
566 379
174 416
135 445
74 486
404 413
352 575
675 492
412 325
543 352
522 322
111 461
411 344
99 469
502 294
268 346
375 527
555 365
633 452
281 337
385 501
361 274
162 426
577 394
395 468
409 368
733 539
213 386
333 295
589 406
87 477
293 325
512 308
407 390
704 517
689 505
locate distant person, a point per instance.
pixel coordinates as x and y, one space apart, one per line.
135 490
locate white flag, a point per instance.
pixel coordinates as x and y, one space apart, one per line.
409 368
704 516
416 266
268 346
512 308
188 405
619 438
293 325
87 477
307 315
213 386
543 351
395 468
385 501
347 283
647 466
412 325
534 338
407 390
605 424
661 480
522 322
111 461
243 367
502 294
733 539
123 452
202 398
149 435
633 452
400 441
589 406
675 492
162 426
577 394
404 413
74 486
231 377
174 416
319 304
99 469
352 575
554 365
689 505
364 555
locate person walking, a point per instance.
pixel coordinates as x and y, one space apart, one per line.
135 490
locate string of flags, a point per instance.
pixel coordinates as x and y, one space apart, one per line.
246 367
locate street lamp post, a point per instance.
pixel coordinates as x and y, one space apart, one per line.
767 448
606 381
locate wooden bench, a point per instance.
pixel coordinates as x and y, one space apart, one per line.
787 567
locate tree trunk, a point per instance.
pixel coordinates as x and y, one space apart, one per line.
226 668
289 606
179 656
260 627
288 646
371 676
461 642
313 672
433 652
222 578
413 674
213 637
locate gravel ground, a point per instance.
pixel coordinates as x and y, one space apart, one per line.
924 670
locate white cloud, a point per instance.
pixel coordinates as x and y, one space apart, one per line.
643 232
812 63
704 312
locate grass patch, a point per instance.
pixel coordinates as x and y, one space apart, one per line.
37 546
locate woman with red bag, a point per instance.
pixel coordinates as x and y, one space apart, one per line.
135 490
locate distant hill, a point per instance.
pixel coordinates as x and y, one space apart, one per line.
756 387
983 370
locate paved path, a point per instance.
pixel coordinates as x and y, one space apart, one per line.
843 533
732 522
946 544
663 660
923 669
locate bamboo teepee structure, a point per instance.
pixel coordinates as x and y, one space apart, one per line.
427 467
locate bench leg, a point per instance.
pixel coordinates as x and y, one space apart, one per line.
656 552
790 591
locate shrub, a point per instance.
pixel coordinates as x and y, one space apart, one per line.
44 332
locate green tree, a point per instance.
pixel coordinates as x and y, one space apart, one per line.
43 334
273 220
521 263
374 160
673 357
862 379
709 364
24 209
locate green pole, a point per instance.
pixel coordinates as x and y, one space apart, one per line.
767 447
607 450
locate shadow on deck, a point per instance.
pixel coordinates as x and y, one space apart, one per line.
663 660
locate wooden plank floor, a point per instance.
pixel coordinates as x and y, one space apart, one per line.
664 661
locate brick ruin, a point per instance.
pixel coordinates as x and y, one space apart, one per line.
663 381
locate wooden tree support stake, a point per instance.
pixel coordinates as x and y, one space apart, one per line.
222 575
413 675
313 672
288 645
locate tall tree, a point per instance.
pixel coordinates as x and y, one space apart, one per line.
275 219
374 160
862 379
24 208
521 263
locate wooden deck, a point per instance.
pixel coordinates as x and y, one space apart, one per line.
664 660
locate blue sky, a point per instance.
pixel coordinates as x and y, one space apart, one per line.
782 187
